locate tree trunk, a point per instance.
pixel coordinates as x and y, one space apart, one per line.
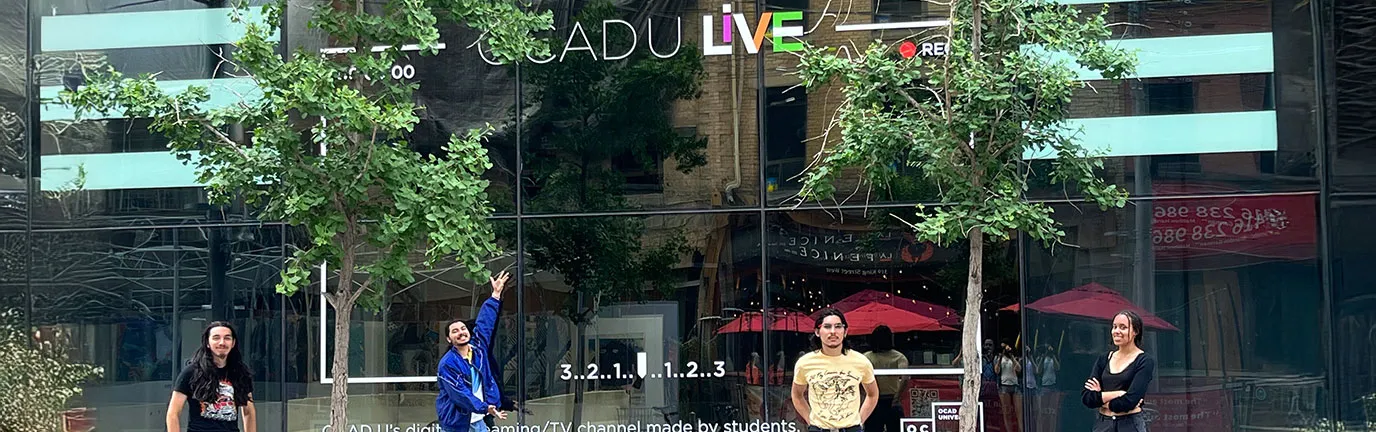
339 369
974 289
969 337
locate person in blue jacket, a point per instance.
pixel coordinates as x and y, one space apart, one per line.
468 389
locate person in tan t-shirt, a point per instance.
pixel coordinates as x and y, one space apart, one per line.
827 382
883 356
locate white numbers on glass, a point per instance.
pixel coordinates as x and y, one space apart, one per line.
403 71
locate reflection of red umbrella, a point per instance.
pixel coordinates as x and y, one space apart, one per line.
1094 301
780 320
942 314
864 319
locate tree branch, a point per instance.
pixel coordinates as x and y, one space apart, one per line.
369 160
223 138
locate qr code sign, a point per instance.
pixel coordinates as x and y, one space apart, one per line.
920 402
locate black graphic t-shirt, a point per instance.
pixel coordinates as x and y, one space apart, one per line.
219 415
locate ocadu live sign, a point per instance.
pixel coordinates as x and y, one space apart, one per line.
734 29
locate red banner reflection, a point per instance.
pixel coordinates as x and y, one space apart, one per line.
1282 226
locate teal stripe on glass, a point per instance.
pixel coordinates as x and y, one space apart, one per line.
143 29
1232 132
1191 56
1119 136
107 171
223 92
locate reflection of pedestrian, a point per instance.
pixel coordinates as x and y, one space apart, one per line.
776 370
1008 368
754 390
1118 395
468 390
1030 371
753 375
827 382
1050 364
1047 404
217 385
887 413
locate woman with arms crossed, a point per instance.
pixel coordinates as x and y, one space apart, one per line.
1119 380
217 384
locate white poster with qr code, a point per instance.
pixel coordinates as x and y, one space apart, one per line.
920 402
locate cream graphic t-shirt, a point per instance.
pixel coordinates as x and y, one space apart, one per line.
833 387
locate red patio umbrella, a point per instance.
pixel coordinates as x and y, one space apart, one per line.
1095 301
780 320
864 319
943 314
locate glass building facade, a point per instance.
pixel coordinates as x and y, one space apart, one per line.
644 178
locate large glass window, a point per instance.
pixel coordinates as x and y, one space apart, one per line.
649 320
869 266
798 124
1354 314
460 91
1350 155
135 303
1221 102
14 145
14 266
629 113
396 343
1210 276
112 171
1350 159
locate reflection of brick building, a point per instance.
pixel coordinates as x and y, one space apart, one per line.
732 128
790 143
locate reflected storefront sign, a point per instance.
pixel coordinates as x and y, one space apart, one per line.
1281 226
861 252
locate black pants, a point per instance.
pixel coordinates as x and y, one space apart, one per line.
885 416
1127 423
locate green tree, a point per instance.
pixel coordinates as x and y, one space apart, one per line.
964 123
590 113
36 376
321 143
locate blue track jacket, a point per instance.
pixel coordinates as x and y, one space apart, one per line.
456 402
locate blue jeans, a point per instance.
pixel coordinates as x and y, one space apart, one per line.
477 426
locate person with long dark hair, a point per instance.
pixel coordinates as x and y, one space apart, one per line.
216 385
1118 383
828 380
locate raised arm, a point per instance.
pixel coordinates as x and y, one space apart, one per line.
485 329
1137 390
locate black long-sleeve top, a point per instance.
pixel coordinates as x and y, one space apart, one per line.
1134 380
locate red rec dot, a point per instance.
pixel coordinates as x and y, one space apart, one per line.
907 49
